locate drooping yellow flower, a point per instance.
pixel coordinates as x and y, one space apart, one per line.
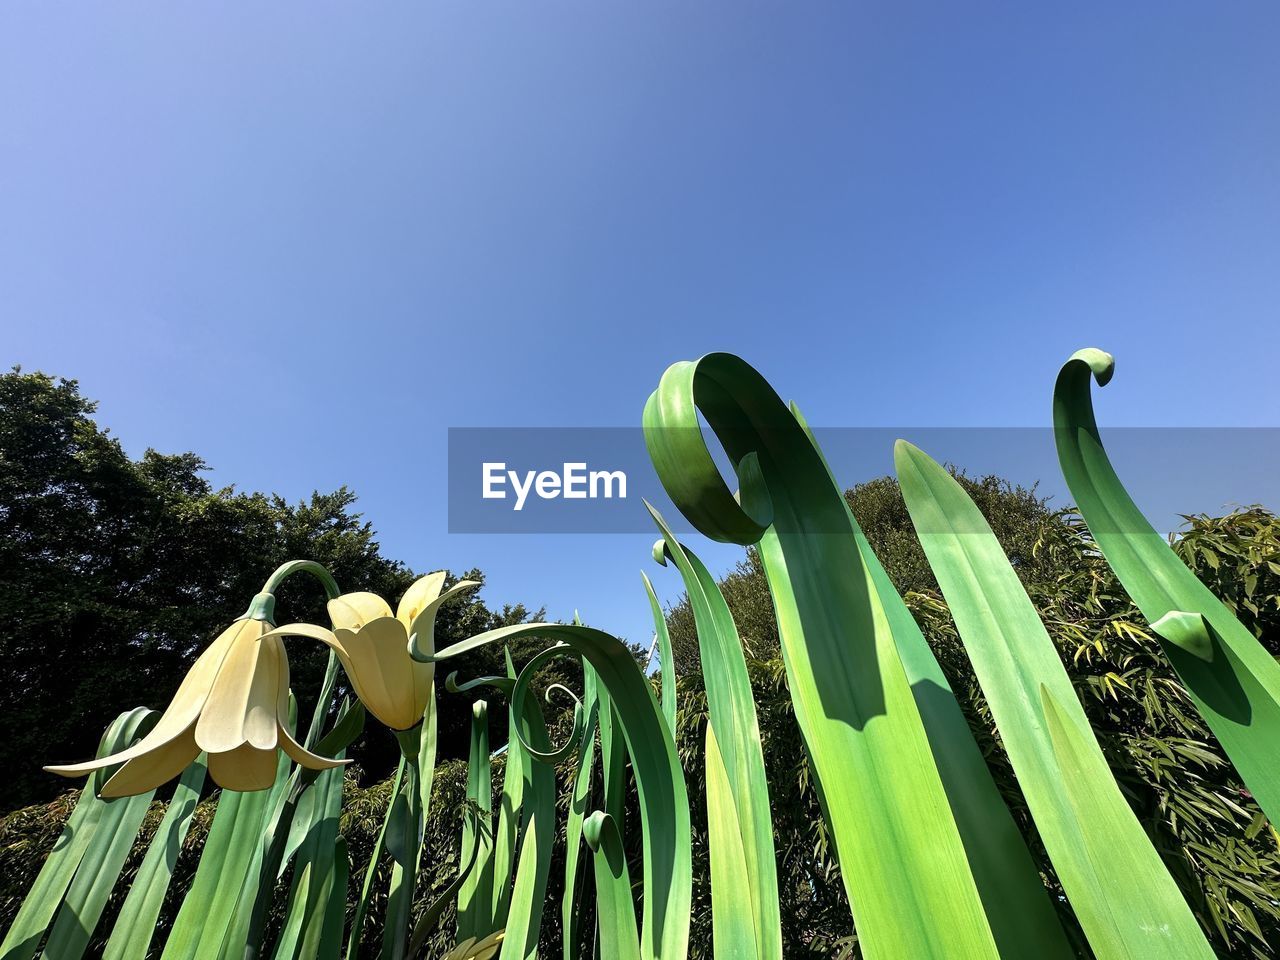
233 704
373 646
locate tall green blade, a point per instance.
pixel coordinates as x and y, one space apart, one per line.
664 801
570 916
668 665
428 747
316 870
528 808
286 830
614 906
213 921
1233 680
431 916
738 760
240 927
505 840
355 935
1129 907
537 834
85 844
733 927
475 908
404 844
1023 920
116 828
903 862
136 923
335 916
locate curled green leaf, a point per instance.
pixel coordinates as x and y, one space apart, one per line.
1233 680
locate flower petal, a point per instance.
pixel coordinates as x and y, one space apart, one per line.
383 674
312 632
304 757
420 618
244 768
420 593
145 773
351 611
183 709
241 707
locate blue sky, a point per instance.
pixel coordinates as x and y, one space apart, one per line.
305 239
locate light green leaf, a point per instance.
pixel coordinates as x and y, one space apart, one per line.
737 737
904 865
135 925
1237 687
665 652
72 879
659 778
475 909
615 911
1131 909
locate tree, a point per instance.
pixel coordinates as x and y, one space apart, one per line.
115 573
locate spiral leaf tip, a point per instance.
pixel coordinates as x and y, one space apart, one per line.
1100 362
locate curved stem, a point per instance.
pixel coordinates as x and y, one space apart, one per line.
263 604
286 570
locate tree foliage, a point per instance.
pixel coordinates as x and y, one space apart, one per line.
115 573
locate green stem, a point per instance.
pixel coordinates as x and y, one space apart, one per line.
404 843
324 702
263 605
263 608
371 872
286 570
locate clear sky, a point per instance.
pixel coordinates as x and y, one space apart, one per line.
304 239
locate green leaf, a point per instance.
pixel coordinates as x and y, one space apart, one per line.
83 852
904 865
570 918
136 923
505 840
316 870
404 844
1237 688
737 736
431 916
335 914
528 894
616 912
1132 908
733 925
665 652
371 872
214 919
660 782
475 908
1022 918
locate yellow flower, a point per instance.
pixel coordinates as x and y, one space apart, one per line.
373 646
473 949
233 704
